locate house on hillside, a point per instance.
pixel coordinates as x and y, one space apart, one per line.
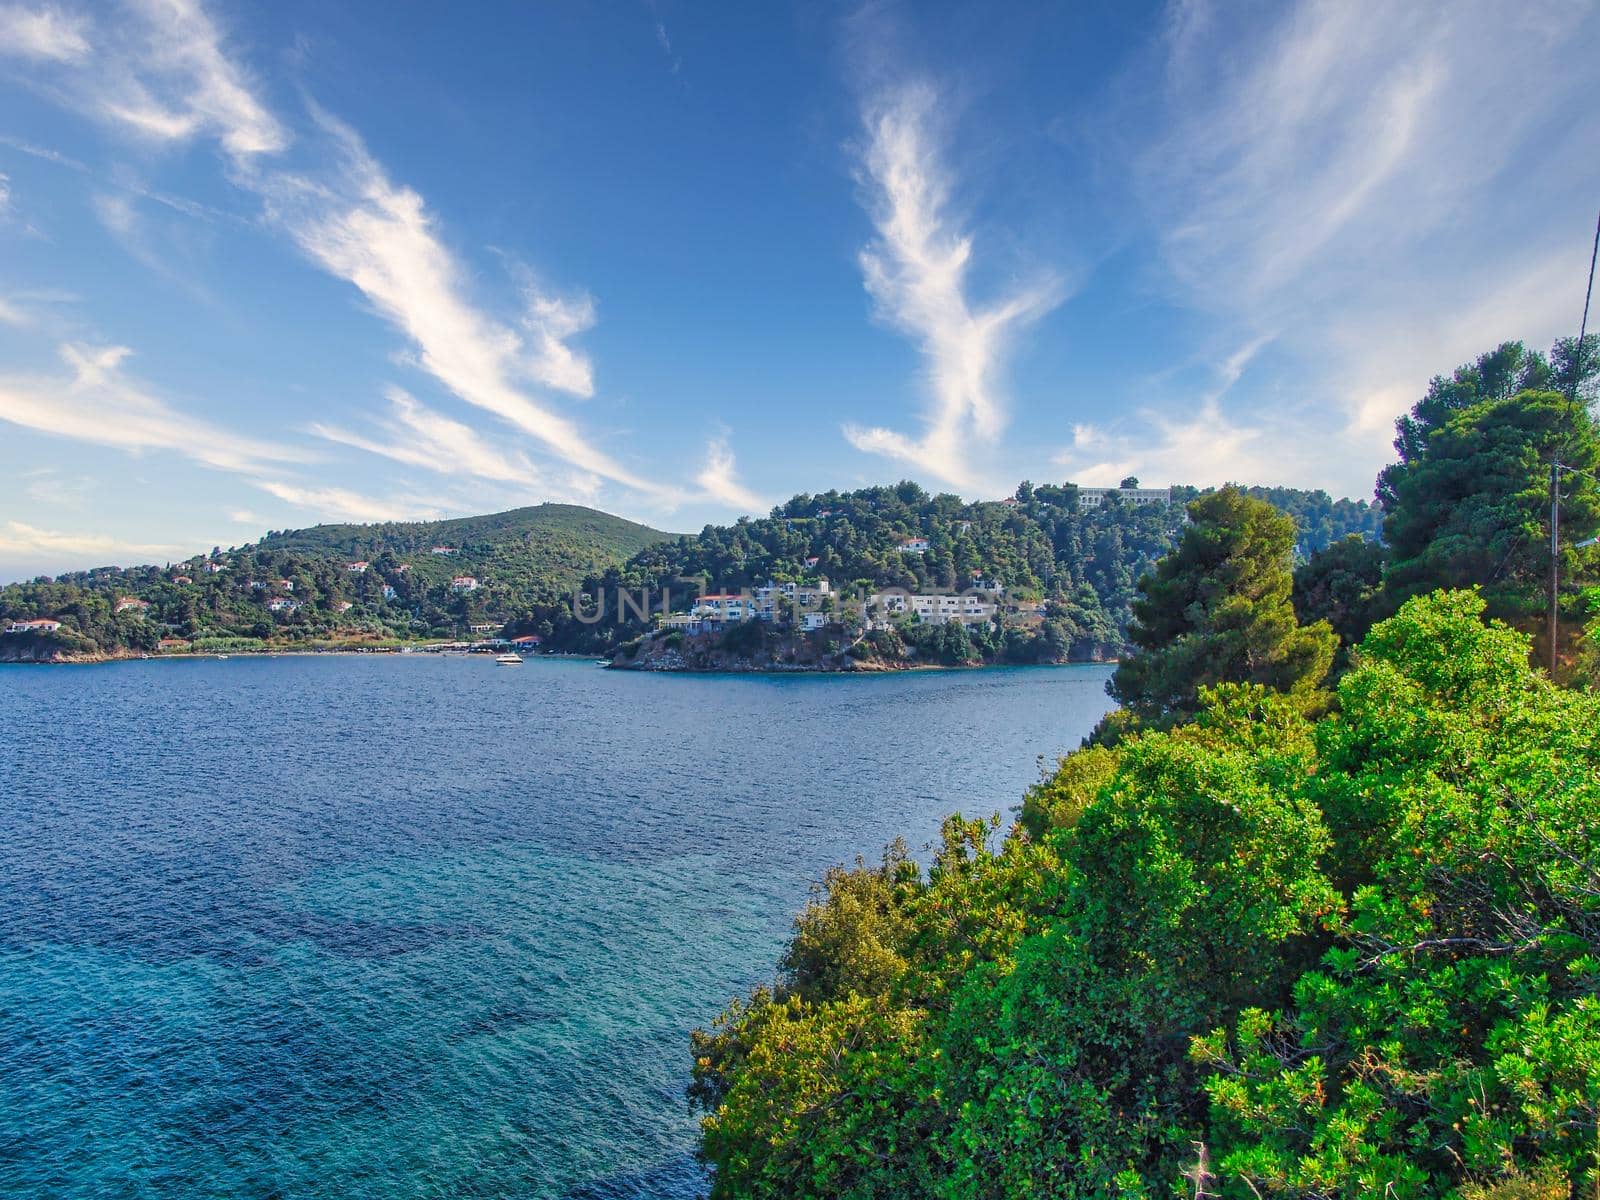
1138 497
357 568
131 604
936 608
389 593
343 606
725 607
484 627
464 583
181 579
444 550
42 625
914 545
282 604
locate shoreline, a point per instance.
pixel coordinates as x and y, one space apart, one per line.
91 660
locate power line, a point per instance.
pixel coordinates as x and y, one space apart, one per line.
1583 327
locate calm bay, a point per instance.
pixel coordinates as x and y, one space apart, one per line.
416 926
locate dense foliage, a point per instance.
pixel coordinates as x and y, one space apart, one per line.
1262 953
1468 502
297 588
1083 562
560 572
1217 609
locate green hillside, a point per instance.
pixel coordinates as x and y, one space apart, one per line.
541 525
1045 545
1076 562
327 585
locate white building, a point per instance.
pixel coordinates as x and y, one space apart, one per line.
936 608
782 601
813 620
39 626
464 583
1139 497
914 545
282 604
389 593
726 607
131 603
357 568
444 550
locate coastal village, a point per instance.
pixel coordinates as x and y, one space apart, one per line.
382 590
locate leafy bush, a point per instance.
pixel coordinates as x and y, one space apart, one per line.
1349 955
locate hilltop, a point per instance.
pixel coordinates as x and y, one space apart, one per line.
568 525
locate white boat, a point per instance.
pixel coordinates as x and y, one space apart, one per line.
508 660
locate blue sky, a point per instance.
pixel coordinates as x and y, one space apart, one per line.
267 265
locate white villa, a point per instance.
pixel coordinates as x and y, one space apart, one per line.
42 625
357 568
125 603
773 599
1139 497
444 550
464 583
936 609
914 545
282 604
726 607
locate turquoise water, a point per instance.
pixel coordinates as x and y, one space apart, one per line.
427 927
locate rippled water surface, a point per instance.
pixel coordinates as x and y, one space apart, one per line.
428 927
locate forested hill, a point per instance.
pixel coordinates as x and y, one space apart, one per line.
330 584
309 586
1044 543
557 527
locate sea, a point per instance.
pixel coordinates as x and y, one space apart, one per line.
425 926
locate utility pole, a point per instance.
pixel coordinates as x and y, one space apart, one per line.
1555 559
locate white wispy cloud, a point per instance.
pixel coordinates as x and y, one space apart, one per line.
551 323
359 226
49 486
1388 198
43 32
332 501
719 478
18 538
98 402
1206 448
158 70
916 271
420 437
179 83
166 74
23 146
